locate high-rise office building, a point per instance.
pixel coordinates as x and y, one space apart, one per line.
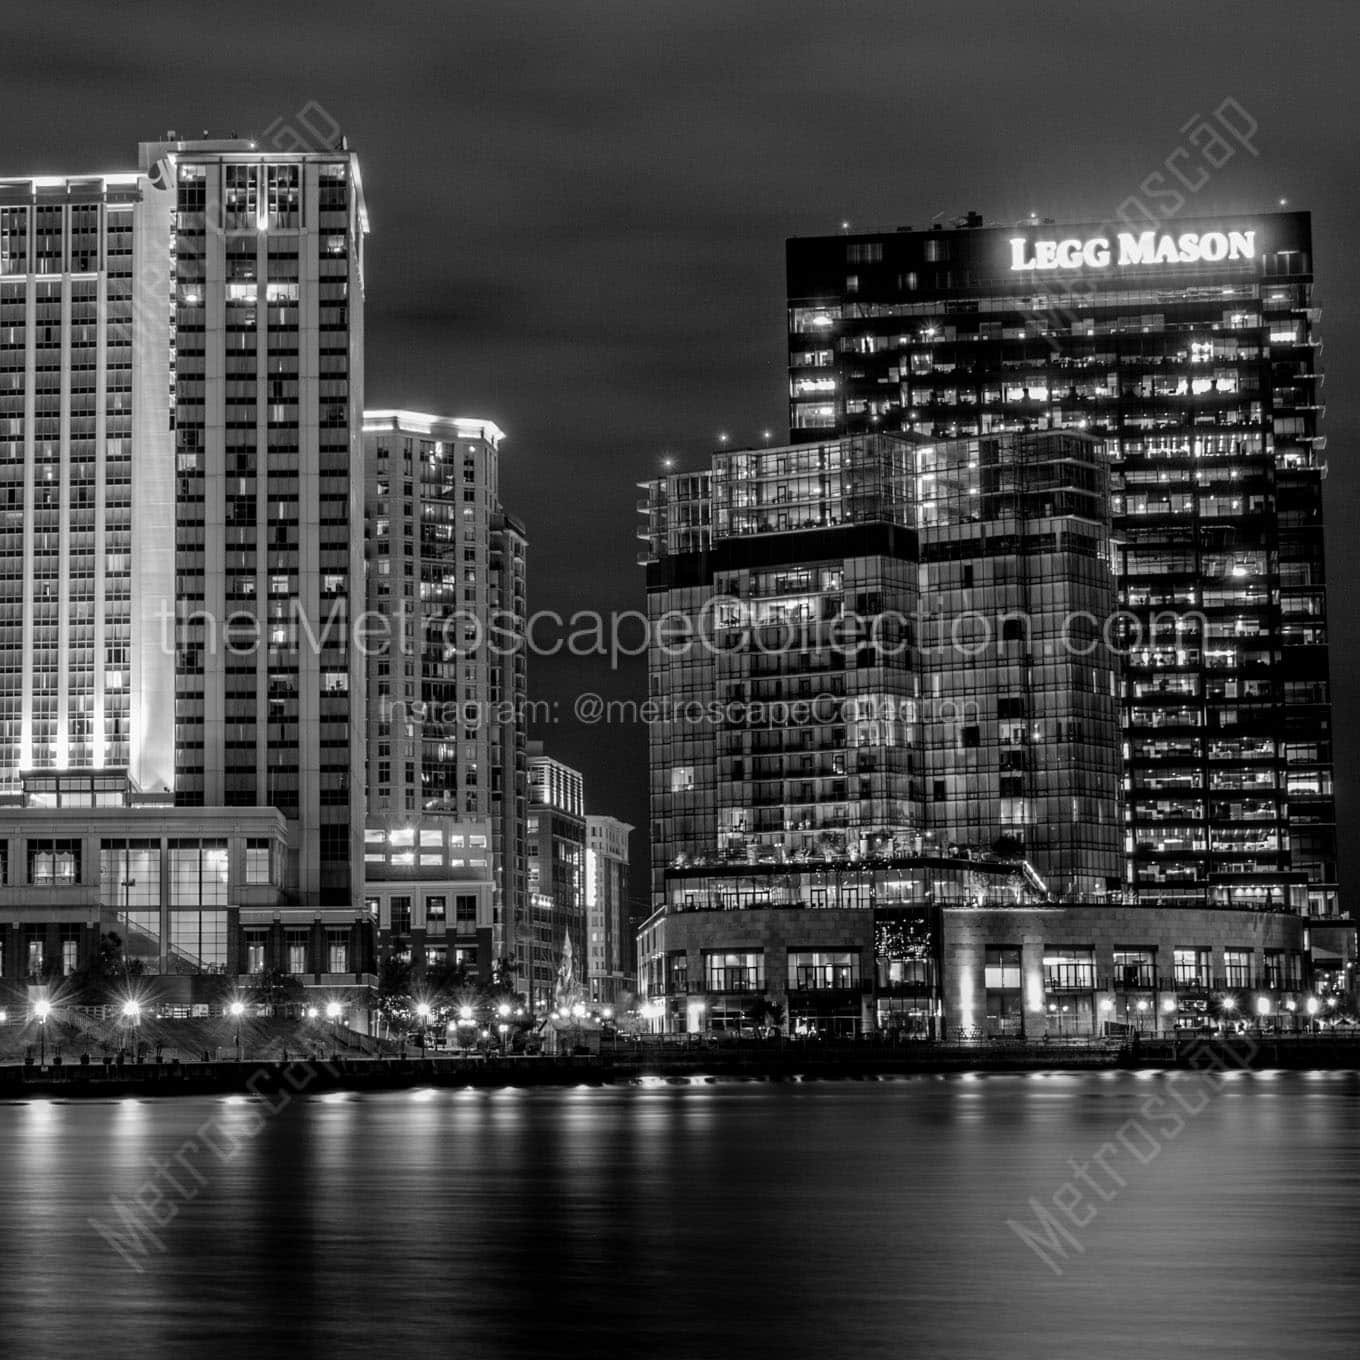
556 873
610 974
182 361
817 698
877 682
881 701
1193 349
447 775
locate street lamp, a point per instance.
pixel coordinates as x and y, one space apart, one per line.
1262 1010
1311 1006
1229 1006
423 1011
42 1010
132 1013
237 1010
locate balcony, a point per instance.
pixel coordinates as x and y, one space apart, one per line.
730 983
1069 980
1193 982
338 981
1131 979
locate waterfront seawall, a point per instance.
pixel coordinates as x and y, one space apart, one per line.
789 1062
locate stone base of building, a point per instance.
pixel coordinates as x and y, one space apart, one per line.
1033 971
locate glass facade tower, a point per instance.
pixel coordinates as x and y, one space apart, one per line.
815 698
1194 352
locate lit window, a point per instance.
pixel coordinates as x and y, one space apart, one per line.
258 861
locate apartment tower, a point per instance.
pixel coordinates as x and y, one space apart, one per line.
181 371
447 775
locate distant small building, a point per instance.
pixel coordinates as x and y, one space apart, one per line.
556 838
609 938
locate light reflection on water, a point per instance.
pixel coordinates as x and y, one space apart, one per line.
830 1220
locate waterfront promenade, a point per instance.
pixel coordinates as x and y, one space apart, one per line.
678 1063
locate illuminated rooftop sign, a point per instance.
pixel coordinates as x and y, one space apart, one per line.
1145 248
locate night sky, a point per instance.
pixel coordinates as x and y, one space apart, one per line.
579 209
